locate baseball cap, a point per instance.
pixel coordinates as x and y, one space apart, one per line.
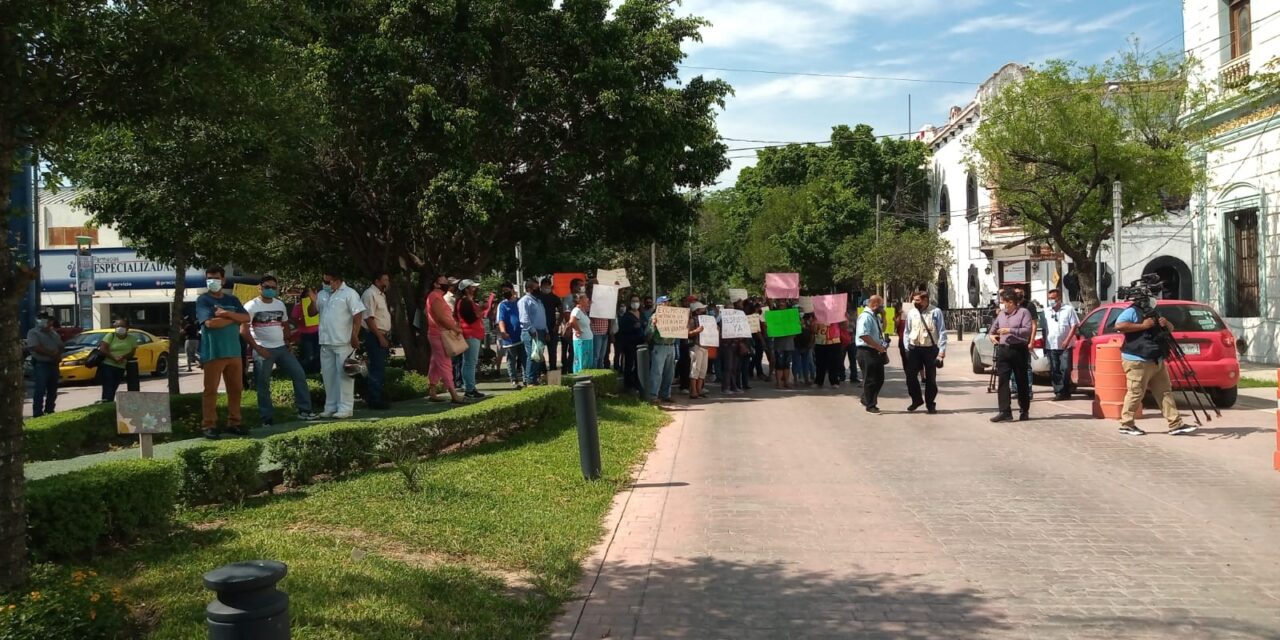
453 280
662 299
697 306
467 284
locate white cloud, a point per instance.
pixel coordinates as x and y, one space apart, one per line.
1041 24
900 9
813 88
771 24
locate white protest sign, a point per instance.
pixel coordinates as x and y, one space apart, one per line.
671 322
734 324
754 321
737 294
710 336
614 277
604 301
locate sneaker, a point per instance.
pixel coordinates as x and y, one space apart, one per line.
209 434
326 414
1182 429
915 405
1002 417
342 416
1131 430
873 409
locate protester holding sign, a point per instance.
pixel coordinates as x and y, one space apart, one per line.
697 352
631 329
669 324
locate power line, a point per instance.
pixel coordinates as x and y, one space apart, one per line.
828 75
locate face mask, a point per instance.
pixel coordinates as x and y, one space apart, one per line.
121 331
327 287
268 293
546 289
214 285
635 305
42 323
581 290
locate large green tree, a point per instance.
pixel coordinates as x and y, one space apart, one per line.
65 66
1051 146
902 257
453 130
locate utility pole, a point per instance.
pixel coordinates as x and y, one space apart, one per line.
653 269
1118 208
520 267
881 284
690 259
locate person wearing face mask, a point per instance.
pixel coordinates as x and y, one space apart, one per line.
220 315
551 305
631 328
377 341
509 332
926 337
117 349
470 318
577 287
533 332
583 336
340 314
1011 333
872 352
439 320
46 354
1060 329
267 333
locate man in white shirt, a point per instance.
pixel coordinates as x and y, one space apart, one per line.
267 334
377 323
1060 329
926 335
340 314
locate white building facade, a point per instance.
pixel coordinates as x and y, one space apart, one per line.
1235 219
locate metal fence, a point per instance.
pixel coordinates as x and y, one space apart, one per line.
967 321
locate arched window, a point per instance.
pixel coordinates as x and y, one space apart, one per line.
971 197
944 210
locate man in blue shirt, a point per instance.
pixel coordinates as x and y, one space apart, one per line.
220 315
871 347
532 315
512 340
1143 360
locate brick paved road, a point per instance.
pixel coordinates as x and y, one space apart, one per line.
799 516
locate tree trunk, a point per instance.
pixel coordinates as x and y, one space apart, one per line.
417 351
177 339
13 517
1086 271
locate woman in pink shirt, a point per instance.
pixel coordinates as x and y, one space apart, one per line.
440 319
471 316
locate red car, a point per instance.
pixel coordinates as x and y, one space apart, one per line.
1206 340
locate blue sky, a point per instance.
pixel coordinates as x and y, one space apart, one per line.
962 40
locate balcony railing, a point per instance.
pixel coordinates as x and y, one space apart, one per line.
1235 74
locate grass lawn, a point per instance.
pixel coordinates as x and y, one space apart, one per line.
1256 383
490 548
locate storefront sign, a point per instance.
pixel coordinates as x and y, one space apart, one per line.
1013 272
113 269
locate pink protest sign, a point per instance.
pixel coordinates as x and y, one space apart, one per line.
782 285
830 309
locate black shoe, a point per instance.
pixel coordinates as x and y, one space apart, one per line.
931 410
1002 417
873 409
915 405
210 434
1131 430
237 430
1024 416
267 422
1062 396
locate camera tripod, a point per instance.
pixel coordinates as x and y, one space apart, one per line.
1195 394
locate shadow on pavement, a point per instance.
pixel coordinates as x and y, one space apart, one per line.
1197 628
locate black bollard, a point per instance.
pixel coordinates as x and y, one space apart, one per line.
131 381
642 369
584 403
248 605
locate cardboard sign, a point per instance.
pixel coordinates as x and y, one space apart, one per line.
806 304
143 412
710 336
604 301
245 292
830 309
614 277
782 285
561 283
737 294
887 318
671 322
781 323
753 321
734 324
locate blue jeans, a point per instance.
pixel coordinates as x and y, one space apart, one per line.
662 369
110 377
469 359
309 344
601 350
377 369
46 383
1060 370
262 367
803 367
516 362
534 369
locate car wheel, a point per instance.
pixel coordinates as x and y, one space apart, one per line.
162 365
1224 398
978 367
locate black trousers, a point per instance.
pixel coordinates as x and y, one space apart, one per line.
872 375
1013 363
922 359
728 355
826 360
757 358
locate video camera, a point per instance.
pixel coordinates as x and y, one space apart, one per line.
1143 293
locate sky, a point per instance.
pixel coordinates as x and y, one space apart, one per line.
962 41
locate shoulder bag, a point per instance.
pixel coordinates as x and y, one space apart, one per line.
454 343
96 357
938 362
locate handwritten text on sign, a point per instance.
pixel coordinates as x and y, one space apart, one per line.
734 324
672 322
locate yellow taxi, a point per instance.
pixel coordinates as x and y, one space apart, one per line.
152 355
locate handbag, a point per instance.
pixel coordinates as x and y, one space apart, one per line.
454 343
95 358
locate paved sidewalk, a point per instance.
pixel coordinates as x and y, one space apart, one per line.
796 515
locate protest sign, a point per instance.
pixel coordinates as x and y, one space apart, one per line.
710 336
830 309
737 294
753 321
781 323
615 277
604 301
782 285
244 292
806 304
561 283
888 317
671 322
734 324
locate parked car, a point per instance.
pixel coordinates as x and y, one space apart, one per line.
982 352
1209 346
152 355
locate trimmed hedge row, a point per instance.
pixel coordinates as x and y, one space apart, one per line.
399 385
603 381
75 513
225 471
339 448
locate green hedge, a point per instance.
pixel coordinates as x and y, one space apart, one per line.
604 381
339 448
74 513
225 471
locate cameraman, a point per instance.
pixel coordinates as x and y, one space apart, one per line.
1143 355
